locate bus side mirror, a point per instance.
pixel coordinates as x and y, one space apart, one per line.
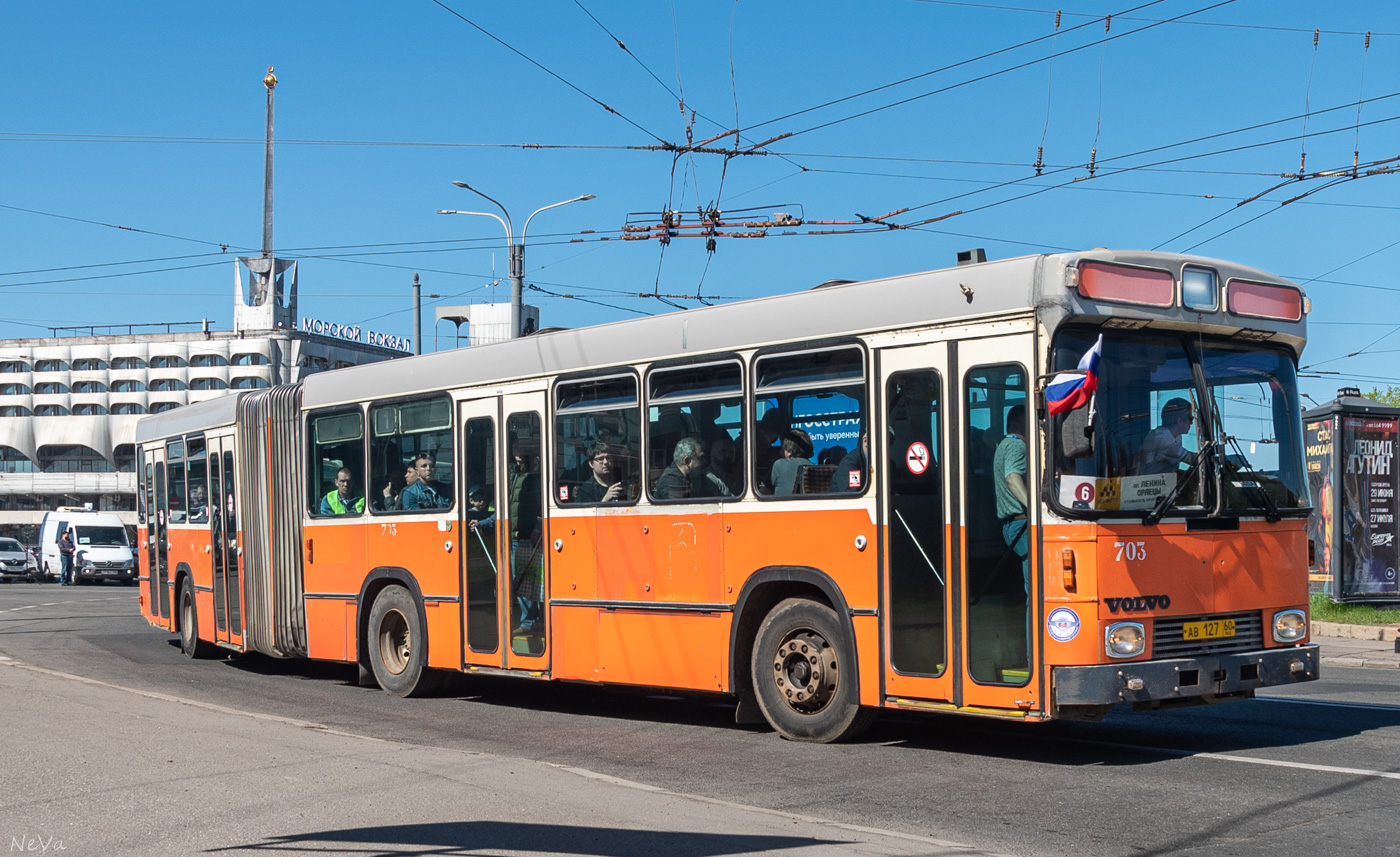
1077 434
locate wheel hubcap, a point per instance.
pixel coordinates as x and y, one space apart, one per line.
395 645
805 671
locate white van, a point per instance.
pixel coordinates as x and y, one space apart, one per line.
102 549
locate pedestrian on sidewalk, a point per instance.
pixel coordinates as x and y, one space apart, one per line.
65 552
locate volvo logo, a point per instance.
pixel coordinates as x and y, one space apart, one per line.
1138 604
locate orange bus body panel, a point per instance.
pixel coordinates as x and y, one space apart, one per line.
577 657
666 650
327 623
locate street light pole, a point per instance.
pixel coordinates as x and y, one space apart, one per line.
517 251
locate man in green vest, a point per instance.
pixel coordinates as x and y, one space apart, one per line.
344 500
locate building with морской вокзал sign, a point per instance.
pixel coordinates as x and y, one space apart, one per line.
69 403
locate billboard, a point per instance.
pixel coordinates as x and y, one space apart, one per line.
1366 517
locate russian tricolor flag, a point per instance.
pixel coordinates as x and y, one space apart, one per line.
1070 390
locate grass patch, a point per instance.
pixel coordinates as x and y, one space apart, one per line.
1323 610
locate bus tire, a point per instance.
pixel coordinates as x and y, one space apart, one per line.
805 686
397 651
190 644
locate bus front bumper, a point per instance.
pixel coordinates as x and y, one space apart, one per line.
1185 680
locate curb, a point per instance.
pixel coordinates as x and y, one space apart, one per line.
1369 663
1383 633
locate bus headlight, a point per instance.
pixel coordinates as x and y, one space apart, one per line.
1124 640
1290 626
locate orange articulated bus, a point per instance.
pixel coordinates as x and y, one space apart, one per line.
824 503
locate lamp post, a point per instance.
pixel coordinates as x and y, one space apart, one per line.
517 251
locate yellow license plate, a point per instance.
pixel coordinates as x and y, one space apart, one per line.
1208 630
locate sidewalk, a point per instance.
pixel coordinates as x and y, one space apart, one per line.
1357 645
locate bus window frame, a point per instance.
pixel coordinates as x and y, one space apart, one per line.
1047 425
1050 432
313 507
369 406
552 413
697 362
751 421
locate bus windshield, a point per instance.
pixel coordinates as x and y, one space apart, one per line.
1158 439
103 537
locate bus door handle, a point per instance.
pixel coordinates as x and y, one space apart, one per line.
310 551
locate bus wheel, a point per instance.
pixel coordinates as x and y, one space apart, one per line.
190 644
805 686
396 640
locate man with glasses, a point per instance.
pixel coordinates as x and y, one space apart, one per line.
602 487
344 500
1162 450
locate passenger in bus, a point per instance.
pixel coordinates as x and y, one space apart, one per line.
1009 468
343 499
601 486
721 464
685 476
479 503
852 469
199 508
391 498
526 536
1162 450
767 450
424 494
797 451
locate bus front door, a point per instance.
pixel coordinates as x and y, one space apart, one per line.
998 520
920 581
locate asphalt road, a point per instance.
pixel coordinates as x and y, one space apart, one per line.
1311 770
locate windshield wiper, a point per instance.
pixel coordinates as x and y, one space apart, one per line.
1271 513
1160 509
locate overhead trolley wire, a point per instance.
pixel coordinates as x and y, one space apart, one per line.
545 69
988 75
931 72
1226 24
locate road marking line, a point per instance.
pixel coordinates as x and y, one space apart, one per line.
1374 706
1227 757
208 706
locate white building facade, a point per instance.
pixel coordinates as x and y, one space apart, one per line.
69 404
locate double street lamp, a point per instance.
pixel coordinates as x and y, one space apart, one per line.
517 251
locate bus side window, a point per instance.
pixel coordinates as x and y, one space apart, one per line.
337 443
175 481
704 404
597 441
411 436
809 414
197 470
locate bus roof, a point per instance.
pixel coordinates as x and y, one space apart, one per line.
949 295
199 416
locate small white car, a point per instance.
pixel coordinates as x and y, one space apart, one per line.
15 561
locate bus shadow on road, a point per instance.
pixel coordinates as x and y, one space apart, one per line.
476 837
1128 738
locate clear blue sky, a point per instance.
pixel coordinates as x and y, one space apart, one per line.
150 116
